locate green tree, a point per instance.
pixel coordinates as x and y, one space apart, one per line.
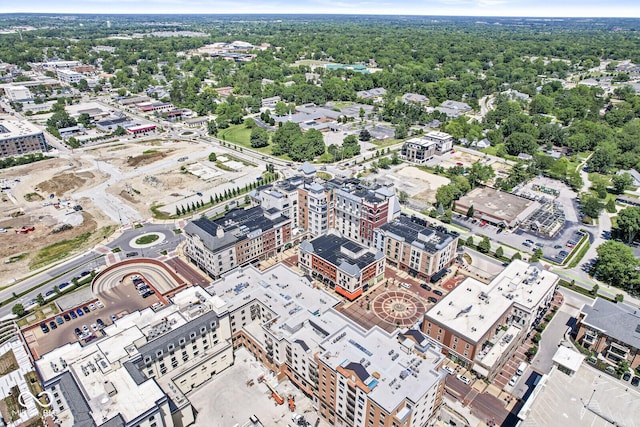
403 196
365 135
249 123
212 157
470 212
281 108
470 241
18 310
621 182
40 299
259 137
616 265
84 119
479 173
629 223
499 252
446 194
520 142
591 206
212 128
485 245
177 211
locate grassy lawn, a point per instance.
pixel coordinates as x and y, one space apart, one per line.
61 250
386 142
40 315
240 135
146 239
324 175
8 363
578 254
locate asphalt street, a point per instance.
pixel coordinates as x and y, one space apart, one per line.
87 261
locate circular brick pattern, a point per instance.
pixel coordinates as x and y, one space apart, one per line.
398 308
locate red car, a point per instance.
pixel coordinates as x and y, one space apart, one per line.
459 163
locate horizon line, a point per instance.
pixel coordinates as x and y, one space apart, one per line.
322 14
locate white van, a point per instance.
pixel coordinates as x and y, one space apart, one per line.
522 368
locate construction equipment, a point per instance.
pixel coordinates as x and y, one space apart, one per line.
292 403
279 400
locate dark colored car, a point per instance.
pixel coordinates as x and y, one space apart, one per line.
66 317
425 286
438 292
100 323
59 320
626 376
131 254
635 381
433 299
73 314
90 338
53 325
86 309
61 286
80 312
78 332
44 327
85 273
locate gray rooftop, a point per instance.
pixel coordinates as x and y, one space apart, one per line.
78 405
619 321
338 251
428 238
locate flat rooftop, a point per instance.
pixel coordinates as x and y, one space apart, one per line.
374 356
280 288
469 310
428 238
15 129
525 284
560 400
498 204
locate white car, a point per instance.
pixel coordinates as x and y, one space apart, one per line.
464 379
99 304
449 369
513 380
92 307
94 326
3 230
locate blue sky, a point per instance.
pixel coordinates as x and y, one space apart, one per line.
567 8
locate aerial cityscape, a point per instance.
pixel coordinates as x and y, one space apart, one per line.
347 218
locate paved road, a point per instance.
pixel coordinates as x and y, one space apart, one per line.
89 260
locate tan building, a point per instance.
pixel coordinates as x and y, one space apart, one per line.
241 237
20 137
496 207
482 324
422 251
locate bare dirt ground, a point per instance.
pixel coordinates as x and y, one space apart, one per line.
421 185
66 182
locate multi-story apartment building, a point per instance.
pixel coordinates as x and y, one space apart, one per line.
482 324
360 209
611 330
141 372
344 265
241 237
420 250
20 137
355 376
422 149
347 205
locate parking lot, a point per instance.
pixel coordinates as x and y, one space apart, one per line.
112 302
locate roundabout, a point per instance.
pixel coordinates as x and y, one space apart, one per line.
147 240
398 308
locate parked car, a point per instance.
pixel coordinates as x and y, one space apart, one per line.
85 309
437 292
464 379
449 369
66 317
92 307
85 273
90 338
99 304
61 286
44 327
100 323
425 286
635 381
114 318
432 299
94 327
85 329
73 314
53 325
78 332
626 376
79 312
513 380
